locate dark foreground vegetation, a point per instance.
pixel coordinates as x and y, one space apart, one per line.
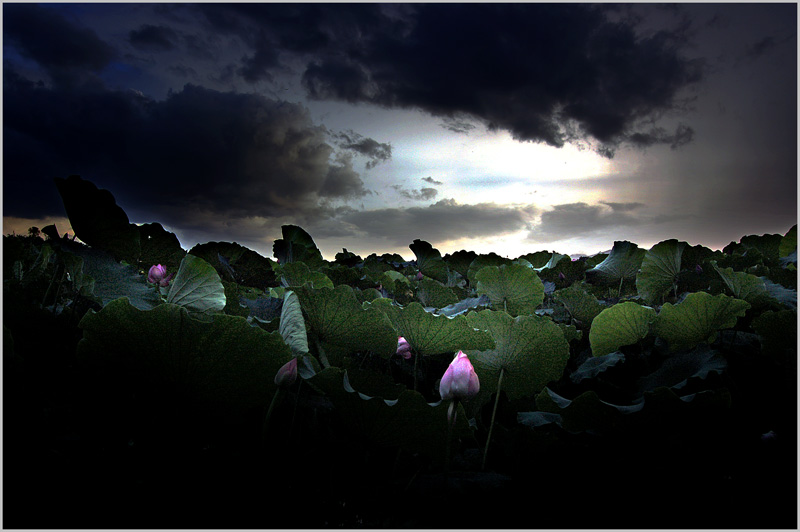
639 389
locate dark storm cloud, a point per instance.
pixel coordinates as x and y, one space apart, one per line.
444 220
152 38
377 152
572 220
68 54
551 73
222 152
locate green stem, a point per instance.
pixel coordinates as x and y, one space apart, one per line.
452 412
416 357
275 400
491 424
619 292
321 352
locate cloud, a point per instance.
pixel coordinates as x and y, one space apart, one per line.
224 153
555 73
432 181
152 38
69 54
573 220
376 152
423 194
443 221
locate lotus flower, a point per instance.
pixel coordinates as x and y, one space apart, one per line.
287 374
403 348
459 380
158 275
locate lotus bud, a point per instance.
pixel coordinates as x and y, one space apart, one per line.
158 275
287 374
403 348
460 380
561 276
419 276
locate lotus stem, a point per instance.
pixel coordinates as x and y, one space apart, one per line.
491 424
321 352
452 412
275 400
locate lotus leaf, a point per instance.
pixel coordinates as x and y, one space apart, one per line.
225 360
429 260
296 245
622 263
481 261
159 246
292 325
531 351
511 287
429 334
697 319
197 287
237 263
659 272
408 422
434 294
98 220
335 316
580 304
742 285
297 273
623 324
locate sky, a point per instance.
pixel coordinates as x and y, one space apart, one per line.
506 128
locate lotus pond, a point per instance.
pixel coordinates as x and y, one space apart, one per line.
150 387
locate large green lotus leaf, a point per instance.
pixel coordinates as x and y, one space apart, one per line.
676 371
742 285
460 261
554 259
113 279
511 287
292 325
659 272
768 245
431 334
530 350
297 245
592 367
237 263
98 220
589 413
622 263
623 324
408 422
298 273
483 260
584 307
335 316
697 319
434 294
429 260
159 246
778 333
197 287
788 243
221 361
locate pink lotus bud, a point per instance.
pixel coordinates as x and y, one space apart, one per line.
403 348
419 276
158 275
460 380
287 374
